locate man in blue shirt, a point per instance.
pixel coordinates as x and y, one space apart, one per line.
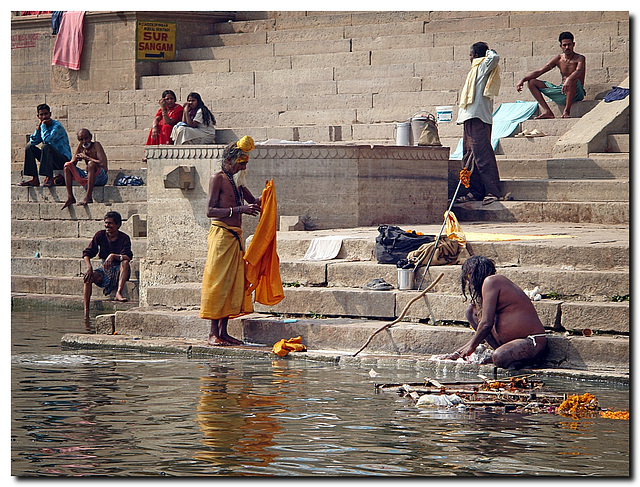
54 153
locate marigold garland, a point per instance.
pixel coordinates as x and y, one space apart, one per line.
615 414
579 406
465 177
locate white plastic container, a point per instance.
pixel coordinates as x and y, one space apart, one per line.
405 278
444 113
403 133
417 124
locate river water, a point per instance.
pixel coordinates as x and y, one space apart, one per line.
113 413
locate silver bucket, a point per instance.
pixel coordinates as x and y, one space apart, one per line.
405 278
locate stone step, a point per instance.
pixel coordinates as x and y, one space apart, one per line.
585 212
68 286
115 173
618 143
569 190
74 228
59 266
58 194
437 307
343 335
23 210
615 167
64 247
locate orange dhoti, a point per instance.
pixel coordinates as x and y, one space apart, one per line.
223 282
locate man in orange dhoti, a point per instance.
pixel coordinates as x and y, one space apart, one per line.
223 282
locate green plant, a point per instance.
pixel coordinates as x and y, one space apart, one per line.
291 284
618 298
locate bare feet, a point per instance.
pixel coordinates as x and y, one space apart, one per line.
69 202
119 297
233 341
85 201
218 342
566 115
545 115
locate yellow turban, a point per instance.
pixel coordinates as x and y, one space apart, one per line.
246 144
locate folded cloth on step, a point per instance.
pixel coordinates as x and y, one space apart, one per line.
506 119
283 347
616 93
447 252
324 248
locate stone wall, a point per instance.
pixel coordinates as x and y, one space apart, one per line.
332 187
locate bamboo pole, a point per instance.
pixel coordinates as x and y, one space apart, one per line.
404 312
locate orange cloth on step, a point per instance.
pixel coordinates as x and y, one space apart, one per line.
263 265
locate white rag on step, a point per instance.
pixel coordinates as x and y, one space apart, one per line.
324 248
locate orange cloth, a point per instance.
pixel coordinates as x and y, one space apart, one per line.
223 283
262 271
283 347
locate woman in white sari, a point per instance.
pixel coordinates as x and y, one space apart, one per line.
198 123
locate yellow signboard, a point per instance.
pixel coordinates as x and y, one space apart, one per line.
155 41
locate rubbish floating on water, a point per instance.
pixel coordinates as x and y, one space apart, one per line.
520 394
373 373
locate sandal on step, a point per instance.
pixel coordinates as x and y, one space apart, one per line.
29 183
378 285
489 199
48 183
464 199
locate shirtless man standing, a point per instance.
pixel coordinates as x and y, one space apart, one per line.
502 314
572 66
223 283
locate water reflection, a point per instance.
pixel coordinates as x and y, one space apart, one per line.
238 417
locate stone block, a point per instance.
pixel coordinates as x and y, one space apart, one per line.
303 273
27 284
180 177
441 52
388 41
260 64
291 223
333 302
604 317
379 29
341 60
374 72
319 35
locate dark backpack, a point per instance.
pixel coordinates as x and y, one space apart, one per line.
393 243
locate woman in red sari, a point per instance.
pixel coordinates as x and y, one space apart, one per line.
169 114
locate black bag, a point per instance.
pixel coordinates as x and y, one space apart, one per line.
393 243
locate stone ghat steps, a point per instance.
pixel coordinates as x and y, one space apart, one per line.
69 287
436 307
58 194
586 212
597 166
115 173
343 335
59 266
59 248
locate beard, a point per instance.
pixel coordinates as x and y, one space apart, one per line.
240 178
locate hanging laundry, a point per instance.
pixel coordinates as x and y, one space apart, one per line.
56 18
68 48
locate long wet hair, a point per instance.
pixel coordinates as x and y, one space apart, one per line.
207 116
474 271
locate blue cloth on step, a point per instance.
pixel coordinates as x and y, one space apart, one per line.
506 119
616 93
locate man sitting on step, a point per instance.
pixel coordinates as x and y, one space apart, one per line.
572 67
502 314
114 248
54 153
93 154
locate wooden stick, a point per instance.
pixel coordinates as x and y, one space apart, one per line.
404 312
